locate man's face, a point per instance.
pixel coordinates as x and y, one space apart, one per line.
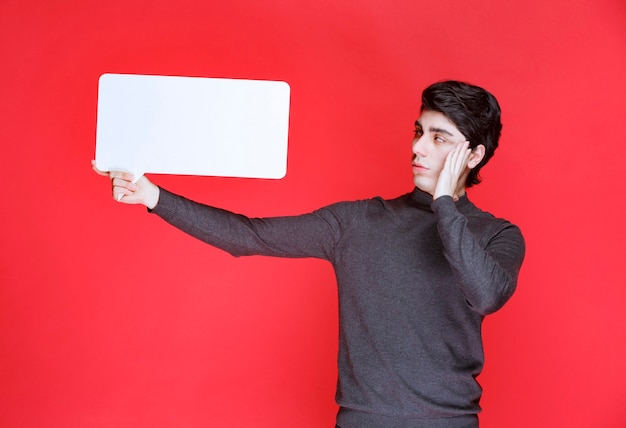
435 137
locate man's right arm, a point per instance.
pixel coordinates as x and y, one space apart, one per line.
314 234
308 235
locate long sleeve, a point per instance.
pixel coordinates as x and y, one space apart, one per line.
309 235
485 258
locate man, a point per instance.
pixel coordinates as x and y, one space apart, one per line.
416 274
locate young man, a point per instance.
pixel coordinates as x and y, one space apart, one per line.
416 274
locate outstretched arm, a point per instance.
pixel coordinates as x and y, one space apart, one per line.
308 235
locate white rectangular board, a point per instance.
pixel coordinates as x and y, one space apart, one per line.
192 126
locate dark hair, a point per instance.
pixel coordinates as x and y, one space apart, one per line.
474 111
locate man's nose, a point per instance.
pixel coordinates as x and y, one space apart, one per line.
418 146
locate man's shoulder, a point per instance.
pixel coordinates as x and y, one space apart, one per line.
360 209
488 225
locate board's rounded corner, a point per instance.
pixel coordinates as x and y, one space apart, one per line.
284 84
103 77
281 175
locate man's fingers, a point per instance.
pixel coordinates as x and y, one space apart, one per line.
122 185
459 156
120 192
113 174
127 176
99 172
123 181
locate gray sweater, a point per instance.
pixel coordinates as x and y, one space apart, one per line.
415 279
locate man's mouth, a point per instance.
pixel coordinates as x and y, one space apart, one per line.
418 167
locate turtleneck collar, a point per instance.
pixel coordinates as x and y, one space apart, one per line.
423 200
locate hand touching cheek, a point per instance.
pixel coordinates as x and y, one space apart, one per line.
451 181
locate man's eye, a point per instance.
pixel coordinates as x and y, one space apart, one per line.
440 139
418 133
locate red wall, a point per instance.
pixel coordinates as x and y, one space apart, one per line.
110 318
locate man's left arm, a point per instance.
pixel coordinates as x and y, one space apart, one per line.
486 266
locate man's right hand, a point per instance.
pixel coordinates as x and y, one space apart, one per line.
126 191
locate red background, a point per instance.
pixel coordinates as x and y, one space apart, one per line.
111 318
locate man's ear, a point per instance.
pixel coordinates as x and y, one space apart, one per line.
477 155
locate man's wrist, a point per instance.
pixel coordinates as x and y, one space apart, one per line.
152 198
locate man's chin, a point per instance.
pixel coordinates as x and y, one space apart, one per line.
425 187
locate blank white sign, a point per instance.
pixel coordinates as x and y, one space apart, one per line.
192 126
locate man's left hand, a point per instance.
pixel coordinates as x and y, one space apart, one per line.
453 169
